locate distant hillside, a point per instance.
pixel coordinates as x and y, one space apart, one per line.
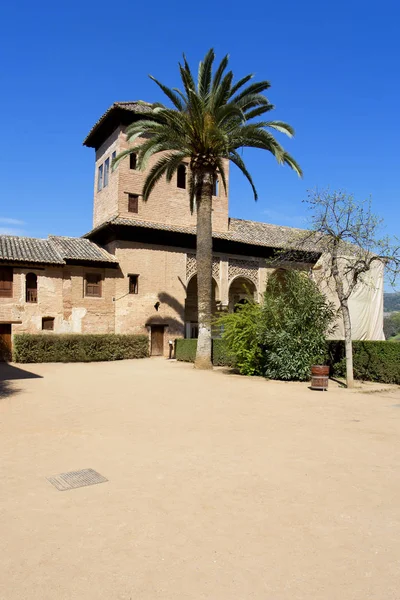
391 302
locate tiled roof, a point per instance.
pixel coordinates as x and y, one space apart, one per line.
80 249
245 232
33 250
136 106
55 250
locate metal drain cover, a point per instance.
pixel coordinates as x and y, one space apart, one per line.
76 479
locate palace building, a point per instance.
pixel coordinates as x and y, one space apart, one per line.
135 271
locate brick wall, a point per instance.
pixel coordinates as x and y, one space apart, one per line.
60 293
161 273
167 203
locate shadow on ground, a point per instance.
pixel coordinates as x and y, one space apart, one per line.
9 373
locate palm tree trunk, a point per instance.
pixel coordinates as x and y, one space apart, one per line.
204 270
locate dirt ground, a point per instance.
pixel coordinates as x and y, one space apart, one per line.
220 487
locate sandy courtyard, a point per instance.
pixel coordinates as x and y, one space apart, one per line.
220 487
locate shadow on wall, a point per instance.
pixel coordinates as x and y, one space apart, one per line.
9 373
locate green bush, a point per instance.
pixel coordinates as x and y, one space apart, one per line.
221 357
241 337
30 348
185 350
373 361
286 334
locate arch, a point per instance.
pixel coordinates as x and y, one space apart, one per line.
181 177
191 305
31 288
241 290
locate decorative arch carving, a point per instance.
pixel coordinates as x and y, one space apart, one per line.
191 266
243 268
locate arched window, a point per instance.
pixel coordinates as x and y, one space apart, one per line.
31 287
215 186
181 177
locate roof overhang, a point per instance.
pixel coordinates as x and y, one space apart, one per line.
141 233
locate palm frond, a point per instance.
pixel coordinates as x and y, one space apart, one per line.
219 72
169 93
237 160
205 74
155 174
289 160
240 84
281 127
255 88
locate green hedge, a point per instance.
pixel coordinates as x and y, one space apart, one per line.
185 350
30 348
373 361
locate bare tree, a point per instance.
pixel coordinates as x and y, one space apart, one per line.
348 234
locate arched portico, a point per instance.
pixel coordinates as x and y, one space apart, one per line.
241 289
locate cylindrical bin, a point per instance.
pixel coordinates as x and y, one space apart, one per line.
319 377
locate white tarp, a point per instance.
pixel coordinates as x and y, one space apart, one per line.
365 303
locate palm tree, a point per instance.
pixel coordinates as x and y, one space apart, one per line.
209 122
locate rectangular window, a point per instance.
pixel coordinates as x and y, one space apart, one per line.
132 161
6 282
106 172
93 285
48 323
133 284
113 156
100 178
133 203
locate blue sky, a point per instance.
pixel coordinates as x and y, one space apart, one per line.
333 69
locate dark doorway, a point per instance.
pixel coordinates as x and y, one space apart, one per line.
5 342
157 340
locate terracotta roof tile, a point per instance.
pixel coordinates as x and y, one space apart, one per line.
135 106
56 250
33 250
242 231
80 249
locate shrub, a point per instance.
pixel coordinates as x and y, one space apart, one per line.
241 337
185 350
30 348
221 356
286 334
373 361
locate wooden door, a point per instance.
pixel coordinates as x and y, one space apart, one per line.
157 340
5 342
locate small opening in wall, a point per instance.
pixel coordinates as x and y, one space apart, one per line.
133 284
215 186
48 323
181 177
31 288
132 161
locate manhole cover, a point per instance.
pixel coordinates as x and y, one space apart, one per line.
76 479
